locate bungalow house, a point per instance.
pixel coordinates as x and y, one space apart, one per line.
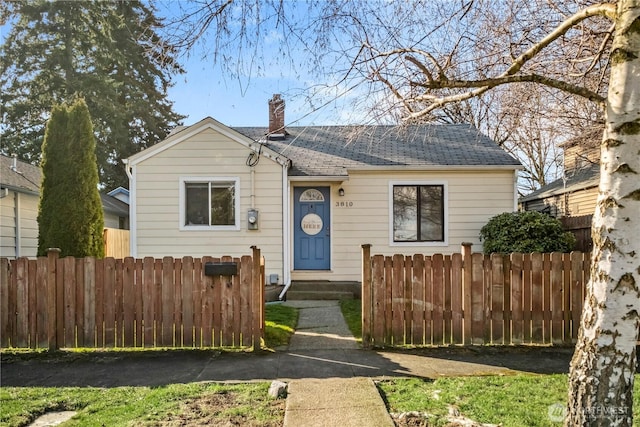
572 198
310 196
19 198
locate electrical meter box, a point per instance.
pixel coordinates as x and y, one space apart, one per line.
252 219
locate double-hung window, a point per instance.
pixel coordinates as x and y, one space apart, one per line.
418 212
211 203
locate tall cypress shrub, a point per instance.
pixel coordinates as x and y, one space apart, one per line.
70 215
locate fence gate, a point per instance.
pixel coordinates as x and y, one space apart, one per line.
53 302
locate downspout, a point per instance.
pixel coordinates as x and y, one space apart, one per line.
132 209
286 231
18 225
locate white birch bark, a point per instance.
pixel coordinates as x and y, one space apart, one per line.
604 362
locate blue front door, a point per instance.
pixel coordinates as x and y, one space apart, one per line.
312 231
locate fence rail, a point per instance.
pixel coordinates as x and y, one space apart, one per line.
53 302
472 298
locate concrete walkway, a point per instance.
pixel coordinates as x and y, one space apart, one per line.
331 402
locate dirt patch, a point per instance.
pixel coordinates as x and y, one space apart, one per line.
220 409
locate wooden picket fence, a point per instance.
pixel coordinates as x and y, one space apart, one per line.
472 298
53 302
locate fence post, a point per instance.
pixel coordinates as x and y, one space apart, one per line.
467 268
366 291
52 298
257 300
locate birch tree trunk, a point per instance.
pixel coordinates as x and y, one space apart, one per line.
604 362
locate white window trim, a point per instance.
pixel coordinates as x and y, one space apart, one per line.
445 195
207 179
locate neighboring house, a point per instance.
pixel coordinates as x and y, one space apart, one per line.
575 193
572 198
19 198
309 197
121 194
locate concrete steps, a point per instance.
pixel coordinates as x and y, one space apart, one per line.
323 290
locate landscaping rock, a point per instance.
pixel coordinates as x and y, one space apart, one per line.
278 390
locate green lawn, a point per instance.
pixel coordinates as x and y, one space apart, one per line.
176 404
280 323
352 312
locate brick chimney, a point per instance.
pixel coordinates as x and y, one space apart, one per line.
276 116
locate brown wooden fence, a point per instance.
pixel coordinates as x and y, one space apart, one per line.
472 298
52 302
580 226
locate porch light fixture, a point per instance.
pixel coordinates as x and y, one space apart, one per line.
341 192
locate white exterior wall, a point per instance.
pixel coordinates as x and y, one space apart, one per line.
362 215
18 225
155 202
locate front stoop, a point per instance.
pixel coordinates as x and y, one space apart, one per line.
323 290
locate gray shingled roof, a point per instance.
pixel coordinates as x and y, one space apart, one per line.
579 180
331 150
25 177
115 206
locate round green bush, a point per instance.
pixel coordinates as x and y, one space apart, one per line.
525 232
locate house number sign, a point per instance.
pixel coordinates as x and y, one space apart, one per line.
311 224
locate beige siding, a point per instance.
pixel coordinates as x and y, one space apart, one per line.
362 215
207 154
577 203
19 230
582 202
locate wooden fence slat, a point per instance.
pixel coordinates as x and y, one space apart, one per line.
517 315
546 303
506 299
5 274
157 301
457 304
537 264
79 312
245 301
477 298
527 289
68 267
32 301
446 314
109 303
497 300
407 292
177 303
377 292
22 303
557 303
437 284
166 296
129 301
211 302
139 305
226 307
89 324
119 307
388 300
427 309
401 304
566 297
188 309
148 302
367 303
578 282
198 290
13 305
418 305
466 292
